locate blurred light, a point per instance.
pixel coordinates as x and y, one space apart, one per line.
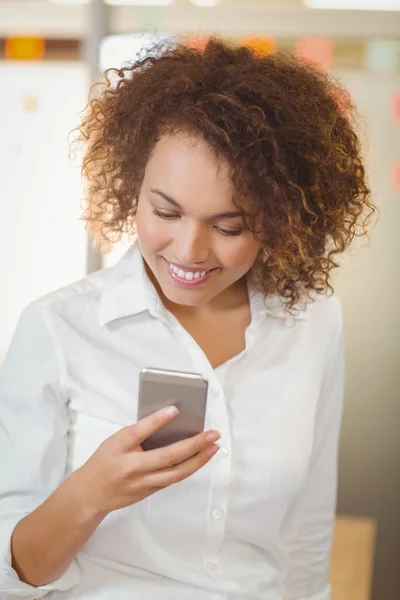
70 1
354 4
25 48
317 50
119 2
381 55
205 2
139 2
260 44
117 50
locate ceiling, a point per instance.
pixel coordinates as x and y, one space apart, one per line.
248 4
279 4
281 18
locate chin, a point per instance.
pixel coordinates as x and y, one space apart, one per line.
183 300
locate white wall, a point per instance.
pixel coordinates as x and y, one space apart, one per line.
42 241
369 286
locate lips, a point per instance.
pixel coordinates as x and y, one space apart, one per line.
175 274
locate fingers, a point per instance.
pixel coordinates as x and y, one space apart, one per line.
133 435
161 458
170 475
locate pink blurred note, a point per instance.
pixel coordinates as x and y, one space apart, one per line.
317 50
396 176
396 108
343 100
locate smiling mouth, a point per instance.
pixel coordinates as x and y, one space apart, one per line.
189 278
182 272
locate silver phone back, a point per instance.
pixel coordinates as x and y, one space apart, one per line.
187 391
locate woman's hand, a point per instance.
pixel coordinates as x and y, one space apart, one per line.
120 473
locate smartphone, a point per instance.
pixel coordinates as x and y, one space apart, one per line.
187 391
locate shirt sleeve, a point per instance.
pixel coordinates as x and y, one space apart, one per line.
33 439
308 529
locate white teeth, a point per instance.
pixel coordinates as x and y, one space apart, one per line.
187 274
199 274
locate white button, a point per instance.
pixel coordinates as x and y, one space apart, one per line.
212 565
214 393
223 452
218 514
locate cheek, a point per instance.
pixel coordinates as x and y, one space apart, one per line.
240 255
149 229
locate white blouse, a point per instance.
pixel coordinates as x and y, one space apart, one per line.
256 522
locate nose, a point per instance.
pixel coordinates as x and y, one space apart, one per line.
192 245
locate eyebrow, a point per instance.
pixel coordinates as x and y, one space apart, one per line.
230 214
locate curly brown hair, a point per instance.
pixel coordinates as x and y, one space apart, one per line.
280 123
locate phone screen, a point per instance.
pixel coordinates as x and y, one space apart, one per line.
187 391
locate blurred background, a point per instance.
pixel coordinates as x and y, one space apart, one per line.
51 51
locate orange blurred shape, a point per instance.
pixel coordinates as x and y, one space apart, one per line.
25 48
396 176
197 43
260 44
396 108
30 104
319 51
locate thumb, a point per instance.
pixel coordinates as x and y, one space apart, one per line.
133 435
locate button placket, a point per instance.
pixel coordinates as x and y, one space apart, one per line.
218 499
216 415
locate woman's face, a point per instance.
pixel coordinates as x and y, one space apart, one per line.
189 231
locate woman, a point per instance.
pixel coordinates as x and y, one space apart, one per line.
242 179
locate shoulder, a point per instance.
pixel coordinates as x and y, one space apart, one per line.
325 311
324 325
77 294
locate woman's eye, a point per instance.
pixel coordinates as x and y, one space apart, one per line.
163 215
169 217
230 231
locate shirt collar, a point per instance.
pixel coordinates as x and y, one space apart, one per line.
129 291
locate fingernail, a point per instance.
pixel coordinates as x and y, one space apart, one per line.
213 449
169 411
212 436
